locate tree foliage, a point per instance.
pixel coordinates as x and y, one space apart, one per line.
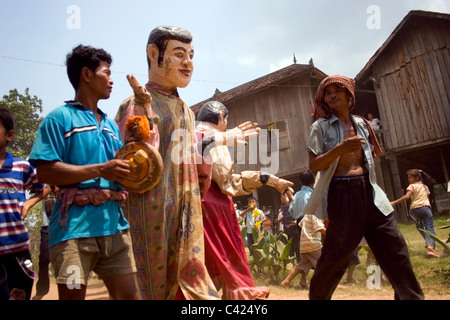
26 110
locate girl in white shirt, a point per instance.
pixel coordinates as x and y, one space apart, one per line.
420 208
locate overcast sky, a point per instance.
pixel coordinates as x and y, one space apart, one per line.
235 41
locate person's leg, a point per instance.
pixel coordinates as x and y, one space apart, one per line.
351 267
123 287
418 215
391 252
20 275
296 246
72 261
66 292
303 280
4 288
116 266
346 203
286 282
428 224
331 265
425 216
43 283
250 242
350 270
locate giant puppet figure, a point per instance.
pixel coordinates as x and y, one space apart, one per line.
226 259
166 221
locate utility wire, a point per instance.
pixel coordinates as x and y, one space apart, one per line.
120 72
136 74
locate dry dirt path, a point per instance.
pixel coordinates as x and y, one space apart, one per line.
97 291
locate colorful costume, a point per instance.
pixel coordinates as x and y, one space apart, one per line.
166 222
226 259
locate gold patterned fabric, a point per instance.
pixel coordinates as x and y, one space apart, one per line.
166 222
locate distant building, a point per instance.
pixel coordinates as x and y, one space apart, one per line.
406 84
280 102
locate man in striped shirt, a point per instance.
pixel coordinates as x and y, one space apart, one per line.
16 176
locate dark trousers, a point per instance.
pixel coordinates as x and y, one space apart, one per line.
295 247
250 242
16 276
353 215
43 283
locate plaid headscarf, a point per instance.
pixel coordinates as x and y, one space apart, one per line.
324 111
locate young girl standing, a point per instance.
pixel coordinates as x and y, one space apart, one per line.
420 208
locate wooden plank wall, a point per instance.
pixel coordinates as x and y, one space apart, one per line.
414 92
287 101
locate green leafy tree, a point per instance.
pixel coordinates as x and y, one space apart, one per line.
26 110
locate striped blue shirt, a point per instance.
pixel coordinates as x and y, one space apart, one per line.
16 176
71 134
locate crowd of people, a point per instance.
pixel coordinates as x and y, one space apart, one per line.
181 239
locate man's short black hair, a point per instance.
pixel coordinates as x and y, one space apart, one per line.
84 56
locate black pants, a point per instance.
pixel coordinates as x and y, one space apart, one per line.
43 283
353 215
16 276
250 242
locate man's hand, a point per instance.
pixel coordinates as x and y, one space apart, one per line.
115 170
352 144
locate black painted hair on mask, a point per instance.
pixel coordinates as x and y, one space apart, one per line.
210 112
161 35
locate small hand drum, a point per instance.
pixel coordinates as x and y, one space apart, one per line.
146 166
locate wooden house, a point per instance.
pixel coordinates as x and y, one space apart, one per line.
281 104
406 84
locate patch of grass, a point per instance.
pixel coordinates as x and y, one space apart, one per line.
433 274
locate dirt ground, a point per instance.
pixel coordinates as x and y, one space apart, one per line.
97 291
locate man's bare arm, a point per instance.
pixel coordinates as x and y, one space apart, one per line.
61 174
